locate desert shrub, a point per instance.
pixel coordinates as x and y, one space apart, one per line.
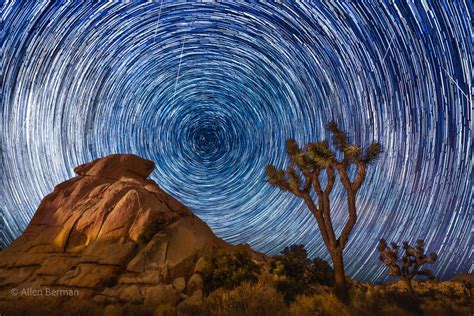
409 303
49 305
390 303
182 310
228 270
393 310
439 308
193 310
362 300
295 273
327 304
165 310
248 299
385 303
320 272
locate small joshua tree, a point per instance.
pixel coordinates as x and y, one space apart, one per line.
305 174
408 265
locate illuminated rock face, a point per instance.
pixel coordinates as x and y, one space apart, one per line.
113 234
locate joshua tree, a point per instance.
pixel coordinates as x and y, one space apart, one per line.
408 266
303 175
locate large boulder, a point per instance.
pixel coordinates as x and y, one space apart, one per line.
113 236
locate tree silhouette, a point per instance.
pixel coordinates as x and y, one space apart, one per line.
303 175
408 266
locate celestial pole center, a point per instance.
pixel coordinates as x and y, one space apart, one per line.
211 91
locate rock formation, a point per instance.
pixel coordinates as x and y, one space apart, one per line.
114 236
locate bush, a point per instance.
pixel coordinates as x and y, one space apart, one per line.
327 305
409 303
361 304
295 273
320 272
49 305
228 270
193 310
247 299
165 310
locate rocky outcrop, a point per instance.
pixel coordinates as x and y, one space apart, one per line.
114 236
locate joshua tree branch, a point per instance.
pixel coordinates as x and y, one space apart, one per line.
326 208
331 179
325 205
351 205
317 184
361 167
346 182
307 184
319 219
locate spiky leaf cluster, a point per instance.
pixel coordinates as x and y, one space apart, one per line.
373 153
275 176
321 154
339 137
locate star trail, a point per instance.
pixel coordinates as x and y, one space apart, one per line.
210 92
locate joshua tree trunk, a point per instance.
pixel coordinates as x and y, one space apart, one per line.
322 213
340 277
408 284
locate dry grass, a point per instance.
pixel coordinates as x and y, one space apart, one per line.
247 299
42 306
264 300
388 303
319 305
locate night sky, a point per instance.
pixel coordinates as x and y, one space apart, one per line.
210 92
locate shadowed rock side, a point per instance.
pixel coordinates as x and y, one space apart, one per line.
113 235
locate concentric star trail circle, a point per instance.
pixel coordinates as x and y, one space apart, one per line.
210 92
